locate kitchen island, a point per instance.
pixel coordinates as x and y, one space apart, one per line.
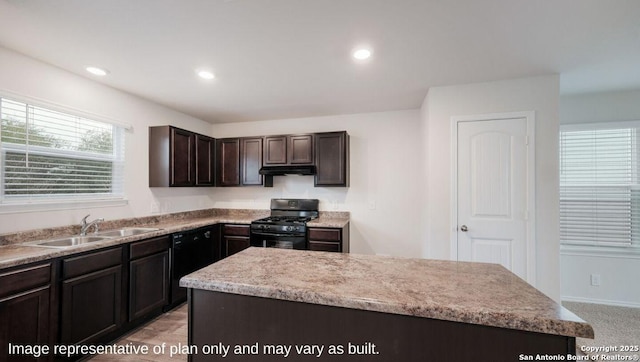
264 304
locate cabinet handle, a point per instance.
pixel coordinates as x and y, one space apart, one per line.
464 228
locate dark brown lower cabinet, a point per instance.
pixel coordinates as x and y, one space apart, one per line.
235 244
148 277
27 310
92 296
235 238
329 239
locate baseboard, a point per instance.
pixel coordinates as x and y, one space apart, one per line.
600 301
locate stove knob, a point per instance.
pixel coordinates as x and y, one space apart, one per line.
289 228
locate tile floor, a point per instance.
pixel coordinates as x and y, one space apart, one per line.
169 328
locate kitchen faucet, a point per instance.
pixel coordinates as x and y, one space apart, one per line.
85 226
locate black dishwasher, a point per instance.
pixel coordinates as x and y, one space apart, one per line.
190 250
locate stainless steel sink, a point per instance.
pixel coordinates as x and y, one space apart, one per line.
79 240
69 241
126 232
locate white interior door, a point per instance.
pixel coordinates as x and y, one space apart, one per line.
493 204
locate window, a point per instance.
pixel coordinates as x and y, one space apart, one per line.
52 156
599 185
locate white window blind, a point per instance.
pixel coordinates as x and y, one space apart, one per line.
599 186
49 155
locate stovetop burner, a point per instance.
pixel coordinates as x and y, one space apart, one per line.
288 216
283 220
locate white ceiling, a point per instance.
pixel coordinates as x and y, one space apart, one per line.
277 59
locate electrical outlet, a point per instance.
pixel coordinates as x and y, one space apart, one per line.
596 280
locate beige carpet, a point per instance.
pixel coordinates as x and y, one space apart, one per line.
613 326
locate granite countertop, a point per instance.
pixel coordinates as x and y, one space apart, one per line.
13 252
476 293
330 220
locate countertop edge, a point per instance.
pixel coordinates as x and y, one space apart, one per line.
500 320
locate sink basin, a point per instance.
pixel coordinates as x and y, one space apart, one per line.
69 241
126 232
79 240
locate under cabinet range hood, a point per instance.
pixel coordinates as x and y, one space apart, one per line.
287 170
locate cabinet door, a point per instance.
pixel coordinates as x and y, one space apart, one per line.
228 161
91 306
325 246
25 321
148 284
300 149
182 149
235 244
328 239
275 150
251 161
332 159
205 160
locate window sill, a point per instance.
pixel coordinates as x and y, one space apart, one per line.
628 252
14 208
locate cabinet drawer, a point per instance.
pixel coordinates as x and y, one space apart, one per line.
19 280
236 230
88 263
325 234
148 247
325 246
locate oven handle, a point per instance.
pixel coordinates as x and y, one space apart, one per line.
276 235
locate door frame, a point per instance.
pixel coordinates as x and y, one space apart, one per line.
530 214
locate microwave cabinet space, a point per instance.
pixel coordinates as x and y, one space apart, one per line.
288 150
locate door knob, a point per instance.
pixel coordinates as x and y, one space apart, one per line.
464 228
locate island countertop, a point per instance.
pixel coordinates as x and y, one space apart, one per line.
475 293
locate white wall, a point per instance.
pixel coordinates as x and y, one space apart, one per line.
400 165
29 77
618 270
539 94
386 178
600 107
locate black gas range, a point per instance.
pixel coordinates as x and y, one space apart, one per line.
286 227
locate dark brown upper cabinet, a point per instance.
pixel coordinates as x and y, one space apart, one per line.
288 150
251 160
239 161
275 150
228 162
332 159
179 157
205 160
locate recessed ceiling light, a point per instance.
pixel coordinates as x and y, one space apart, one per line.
97 71
362 54
205 74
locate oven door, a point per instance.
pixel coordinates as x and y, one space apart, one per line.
282 241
